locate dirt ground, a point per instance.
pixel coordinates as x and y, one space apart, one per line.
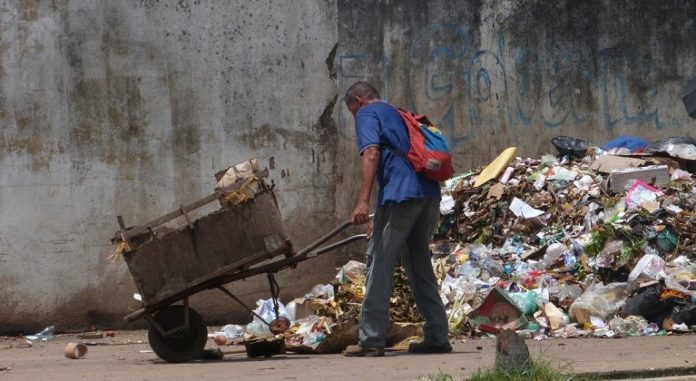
127 356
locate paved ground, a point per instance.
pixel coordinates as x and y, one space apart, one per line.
127 357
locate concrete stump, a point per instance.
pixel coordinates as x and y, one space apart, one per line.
511 351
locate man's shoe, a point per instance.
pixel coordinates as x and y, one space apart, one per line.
428 348
360 351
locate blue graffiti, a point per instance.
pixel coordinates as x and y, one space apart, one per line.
463 89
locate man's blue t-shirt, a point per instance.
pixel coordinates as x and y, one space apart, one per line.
379 124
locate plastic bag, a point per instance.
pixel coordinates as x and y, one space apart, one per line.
554 252
321 291
599 300
680 146
526 301
258 328
667 240
683 280
446 205
680 174
469 270
351 271
605 259
457 289
491 268
649 267
548 161
291 309
265 309
618 325
567 145
232 331
568 293
647 303
635 324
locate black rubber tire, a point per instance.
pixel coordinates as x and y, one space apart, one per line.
181 346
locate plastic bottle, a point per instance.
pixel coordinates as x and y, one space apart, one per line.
232 331
258 328
314 338
45 335
469 270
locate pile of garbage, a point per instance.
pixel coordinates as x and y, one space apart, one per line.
589 242
325 320
583 243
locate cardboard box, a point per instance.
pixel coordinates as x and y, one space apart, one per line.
305 307
608 163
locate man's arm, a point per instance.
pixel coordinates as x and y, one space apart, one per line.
370 164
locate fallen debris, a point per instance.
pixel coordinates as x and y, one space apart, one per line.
581 244
74 350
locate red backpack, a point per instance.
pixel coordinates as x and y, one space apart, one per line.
429 151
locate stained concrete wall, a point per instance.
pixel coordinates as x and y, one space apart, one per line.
129 108
500 73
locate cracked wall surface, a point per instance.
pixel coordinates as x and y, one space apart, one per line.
129 108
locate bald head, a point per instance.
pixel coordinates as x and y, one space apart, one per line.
360 94
363 90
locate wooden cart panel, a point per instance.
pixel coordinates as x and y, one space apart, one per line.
165 265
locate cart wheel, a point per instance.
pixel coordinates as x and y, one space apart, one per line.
182 345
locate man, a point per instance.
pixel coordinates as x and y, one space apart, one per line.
407 211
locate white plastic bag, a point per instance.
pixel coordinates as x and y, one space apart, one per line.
265 309
457 289
351 270
321 291
599 300
649 267
683 280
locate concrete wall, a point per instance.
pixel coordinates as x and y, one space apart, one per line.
129 107
500 73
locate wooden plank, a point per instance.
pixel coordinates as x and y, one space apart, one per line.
140 229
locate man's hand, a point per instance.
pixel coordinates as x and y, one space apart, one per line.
361 213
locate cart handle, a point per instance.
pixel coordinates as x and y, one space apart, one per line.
335 245
328 236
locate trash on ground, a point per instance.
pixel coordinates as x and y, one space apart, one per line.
582 244
74 350
45 335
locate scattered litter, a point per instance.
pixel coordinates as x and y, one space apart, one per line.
75 350
585 231
45 335
581 244
91 336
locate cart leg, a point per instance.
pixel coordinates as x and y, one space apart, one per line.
280 324
236 299
275 291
